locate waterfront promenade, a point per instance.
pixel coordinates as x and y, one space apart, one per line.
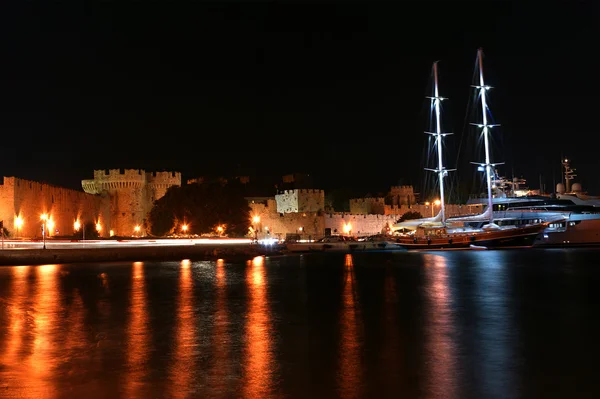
18 252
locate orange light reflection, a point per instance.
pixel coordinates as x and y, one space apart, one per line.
138 339
221 341
258 364
439 347
181 372
349 377
46 313
17 329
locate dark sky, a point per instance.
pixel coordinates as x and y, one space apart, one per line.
335 89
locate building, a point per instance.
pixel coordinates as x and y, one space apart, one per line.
132 193
115 201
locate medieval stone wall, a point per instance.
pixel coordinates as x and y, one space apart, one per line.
304 200
402 195
26 201
358 225
132 194
426 210
367 206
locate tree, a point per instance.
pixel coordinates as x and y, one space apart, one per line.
90 231
201 207
409 216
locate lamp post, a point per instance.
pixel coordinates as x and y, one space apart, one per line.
18 224
44 219
78 225
256 221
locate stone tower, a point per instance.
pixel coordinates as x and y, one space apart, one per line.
132 193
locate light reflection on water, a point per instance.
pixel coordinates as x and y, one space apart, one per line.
259 366
440 345
446 325
185 341
138 334
349 377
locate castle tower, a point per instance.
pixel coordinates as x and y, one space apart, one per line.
157 184
132 194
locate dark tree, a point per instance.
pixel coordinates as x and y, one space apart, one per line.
202 207
409 216
90 232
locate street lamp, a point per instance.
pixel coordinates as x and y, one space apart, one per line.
220 230
184 228
78 225
44 219
256 221
137 230
18 224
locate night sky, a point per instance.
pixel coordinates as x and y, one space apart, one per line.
334 89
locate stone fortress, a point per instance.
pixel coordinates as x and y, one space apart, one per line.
132 194
302 212
118 201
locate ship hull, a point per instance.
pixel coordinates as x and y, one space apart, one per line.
511 238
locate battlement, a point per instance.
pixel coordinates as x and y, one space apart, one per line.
368 200
137 175
402 188
168 178
303 191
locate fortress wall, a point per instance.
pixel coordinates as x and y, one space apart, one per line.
158 183
425 210
287 201
279 225
367 206
63 206
132 194
7 202
305 200
311 200
360 225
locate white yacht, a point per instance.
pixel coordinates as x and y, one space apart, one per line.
581 214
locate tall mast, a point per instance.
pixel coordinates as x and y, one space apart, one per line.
441 171
486 131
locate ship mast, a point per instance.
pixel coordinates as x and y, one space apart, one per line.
569 175
441 171
486 131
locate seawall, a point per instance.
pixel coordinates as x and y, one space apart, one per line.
14 257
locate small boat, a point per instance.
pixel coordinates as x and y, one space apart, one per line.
344 244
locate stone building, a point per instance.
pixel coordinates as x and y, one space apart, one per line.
23 202
303 200
115 201
132 193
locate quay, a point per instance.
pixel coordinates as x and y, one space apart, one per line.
38 256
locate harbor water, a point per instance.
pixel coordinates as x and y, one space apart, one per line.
455 324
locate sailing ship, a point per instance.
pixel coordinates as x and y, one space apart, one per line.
461 232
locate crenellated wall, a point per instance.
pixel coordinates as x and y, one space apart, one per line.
367 206
358 225
303 200
402 195
426 210
132 194
158 183
26 201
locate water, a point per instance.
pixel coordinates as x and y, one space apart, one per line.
461 324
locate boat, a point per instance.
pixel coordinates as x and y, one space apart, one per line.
462 232
580 223
339 243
